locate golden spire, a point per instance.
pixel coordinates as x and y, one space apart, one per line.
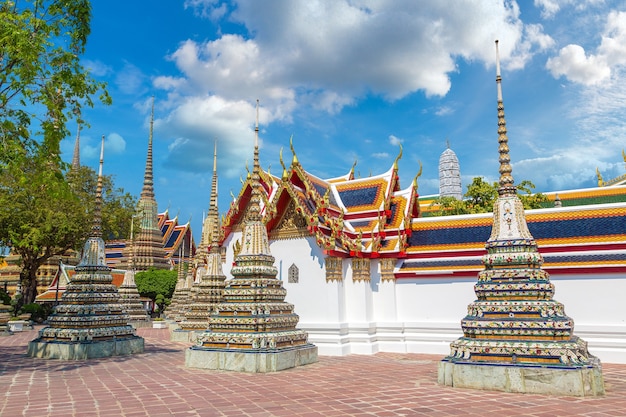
148 180
254 211
131 260
213 208
96 229
76 157
507 186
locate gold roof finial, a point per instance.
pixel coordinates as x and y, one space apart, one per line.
352 169
282 163
419 174
395 163
507 186
294 161
624 156
600 179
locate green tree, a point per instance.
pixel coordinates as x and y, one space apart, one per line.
157 282
481 196
42 86
529 199
42 83
40 217
118 206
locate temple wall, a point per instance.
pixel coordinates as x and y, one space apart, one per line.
423 315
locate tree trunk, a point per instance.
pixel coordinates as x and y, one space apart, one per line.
28 279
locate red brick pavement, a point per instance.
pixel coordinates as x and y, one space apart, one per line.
156 383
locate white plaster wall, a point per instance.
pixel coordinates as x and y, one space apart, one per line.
424 315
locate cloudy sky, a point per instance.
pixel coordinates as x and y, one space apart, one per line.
354 80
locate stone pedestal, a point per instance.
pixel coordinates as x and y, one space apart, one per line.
566 381
258 361
85 350
16 325
180 335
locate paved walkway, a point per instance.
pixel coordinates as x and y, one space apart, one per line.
157 383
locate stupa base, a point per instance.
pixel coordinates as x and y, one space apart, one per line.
253 360
85 350
185 336
583 381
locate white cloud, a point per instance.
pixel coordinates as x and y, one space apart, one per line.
96 68
576 66
130 79
328 55
380 155
444 111
114 143
574 63
549 8
395 141
197 122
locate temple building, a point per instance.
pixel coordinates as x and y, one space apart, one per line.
253 329
393 277
516 338
90 322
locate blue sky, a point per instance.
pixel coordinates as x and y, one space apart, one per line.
352 80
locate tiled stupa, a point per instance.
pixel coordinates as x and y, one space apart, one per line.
516 338
90 321
129 295
179 298
148 249
209 291
253 329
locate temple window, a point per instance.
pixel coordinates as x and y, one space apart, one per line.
293 274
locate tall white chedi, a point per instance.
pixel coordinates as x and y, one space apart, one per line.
450 175
516 338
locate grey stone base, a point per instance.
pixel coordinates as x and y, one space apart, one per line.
85 350
185 336
574 381
258 361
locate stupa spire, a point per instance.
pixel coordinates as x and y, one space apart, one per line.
96 228
213 208
148 179
76 157
149 251
507 186
254 211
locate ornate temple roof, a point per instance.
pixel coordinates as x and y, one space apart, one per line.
175 236
348 216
